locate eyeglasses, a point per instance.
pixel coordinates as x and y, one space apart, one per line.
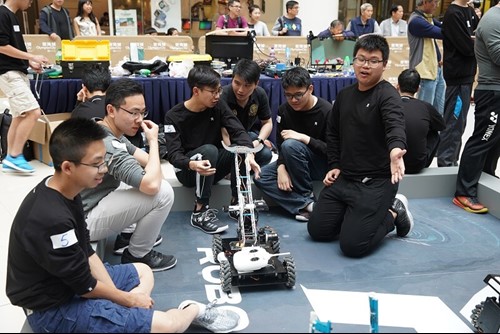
102 167
136 114
296 96
236 6
214 93
361 61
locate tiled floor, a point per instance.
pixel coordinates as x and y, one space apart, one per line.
15 187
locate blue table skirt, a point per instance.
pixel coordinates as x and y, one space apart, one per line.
162 93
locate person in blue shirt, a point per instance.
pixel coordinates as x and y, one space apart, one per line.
288 24
336 31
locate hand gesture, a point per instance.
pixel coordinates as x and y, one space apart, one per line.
397 165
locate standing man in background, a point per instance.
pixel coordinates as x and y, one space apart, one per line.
459 69
425 57
56 22
14 83
483 148
288 24
394 25
233 19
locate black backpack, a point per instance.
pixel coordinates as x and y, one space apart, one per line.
5 120
226 18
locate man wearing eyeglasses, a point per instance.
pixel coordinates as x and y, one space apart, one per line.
301 142
193 130
366 142
233 19
57 278
133 190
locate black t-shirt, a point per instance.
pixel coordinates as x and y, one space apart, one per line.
62 23
11 34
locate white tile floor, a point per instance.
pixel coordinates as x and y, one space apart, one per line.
13 190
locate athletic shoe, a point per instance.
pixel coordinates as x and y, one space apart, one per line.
303 216
155 260
122 242
213 318
469 204
17 164
205 220
404 219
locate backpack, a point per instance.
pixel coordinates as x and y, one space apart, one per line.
226 18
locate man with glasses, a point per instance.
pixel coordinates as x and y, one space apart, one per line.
233 19
301 142
366 142
133 190
53 272
288 24
193 131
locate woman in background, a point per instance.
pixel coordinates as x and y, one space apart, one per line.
172 32
85 22
254 22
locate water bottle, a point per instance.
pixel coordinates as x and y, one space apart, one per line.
346 66
287 56
58 56
272 53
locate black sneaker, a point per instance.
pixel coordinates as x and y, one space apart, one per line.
205 221
155 260
404 219
123 239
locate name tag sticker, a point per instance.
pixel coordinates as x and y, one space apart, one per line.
119 145
64 240
169 129
16 28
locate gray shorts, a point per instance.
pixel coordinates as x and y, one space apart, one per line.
16 86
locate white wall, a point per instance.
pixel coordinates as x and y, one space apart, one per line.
316 15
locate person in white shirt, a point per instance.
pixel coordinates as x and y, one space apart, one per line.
254 22
395 25
85 23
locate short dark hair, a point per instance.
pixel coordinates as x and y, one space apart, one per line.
296 77
150 30
121 89
203 76
230 2
290 4
170 31
251 8
96 77
394 8
248 70
408 81
70 140
372 42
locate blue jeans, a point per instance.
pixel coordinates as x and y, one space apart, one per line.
86 315
433 91
304 166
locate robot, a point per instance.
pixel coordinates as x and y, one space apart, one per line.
251 258
486 315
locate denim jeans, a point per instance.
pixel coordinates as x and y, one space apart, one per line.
304 166
433 91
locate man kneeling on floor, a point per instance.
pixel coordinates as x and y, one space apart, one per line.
366 142
54 274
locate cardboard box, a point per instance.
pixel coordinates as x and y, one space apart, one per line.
40 135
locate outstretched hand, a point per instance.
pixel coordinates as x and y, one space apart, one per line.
397 164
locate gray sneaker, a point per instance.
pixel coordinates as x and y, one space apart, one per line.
214 319
404 219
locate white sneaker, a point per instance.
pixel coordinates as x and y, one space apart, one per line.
214 319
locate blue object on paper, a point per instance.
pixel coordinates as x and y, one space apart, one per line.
373 313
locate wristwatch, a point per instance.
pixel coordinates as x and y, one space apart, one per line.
260 140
